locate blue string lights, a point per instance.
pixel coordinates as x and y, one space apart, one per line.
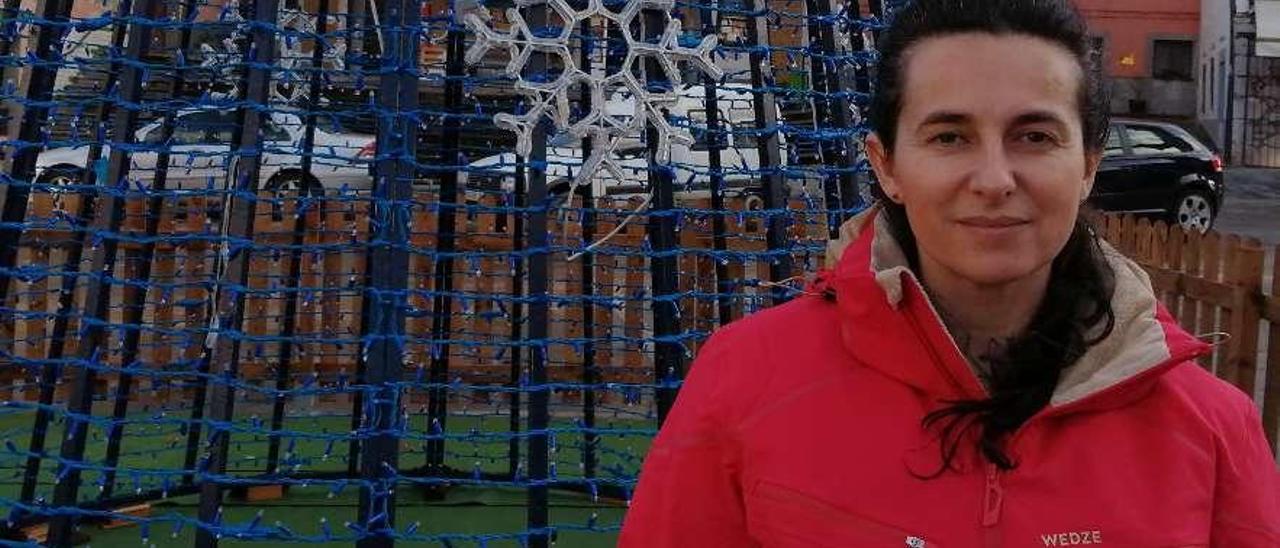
335 272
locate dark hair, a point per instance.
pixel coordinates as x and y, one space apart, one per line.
1076 311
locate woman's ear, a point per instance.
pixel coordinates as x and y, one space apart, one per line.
879 156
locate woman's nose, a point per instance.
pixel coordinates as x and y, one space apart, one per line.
993 176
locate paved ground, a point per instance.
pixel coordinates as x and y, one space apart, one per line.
1252 205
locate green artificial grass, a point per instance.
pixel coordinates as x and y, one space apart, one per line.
478 443
488 513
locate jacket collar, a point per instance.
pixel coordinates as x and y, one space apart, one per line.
889 322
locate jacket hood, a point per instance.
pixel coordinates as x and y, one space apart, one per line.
867 261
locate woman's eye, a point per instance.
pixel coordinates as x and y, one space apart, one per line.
1039 137
948 138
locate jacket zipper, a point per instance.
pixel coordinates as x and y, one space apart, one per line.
993 499
933 354
993 492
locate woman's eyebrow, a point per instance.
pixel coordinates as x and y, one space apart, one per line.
1039 117
944 117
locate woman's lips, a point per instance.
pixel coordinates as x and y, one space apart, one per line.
993 226
993 222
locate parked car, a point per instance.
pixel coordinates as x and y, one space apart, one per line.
201 151
740 156
1156 168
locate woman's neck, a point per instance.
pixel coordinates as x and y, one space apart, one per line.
983 317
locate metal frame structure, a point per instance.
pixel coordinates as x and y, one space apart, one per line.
375 453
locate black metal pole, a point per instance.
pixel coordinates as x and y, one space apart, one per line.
354 34
98 294
154 205
442 301
1228 139
31 133
51 369
398 95
222 349
709 14
831 109
200 395
668 360
538 419
775 185
590 371
292 280
518 320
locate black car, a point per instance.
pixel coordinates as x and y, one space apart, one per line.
1156 168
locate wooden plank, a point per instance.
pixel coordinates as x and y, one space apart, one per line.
421 277
1128 235
1271 394
1174 240
1191 267
337 228
1193 288
140 511
605 286
1210 269
491 326
1244 272
1142 241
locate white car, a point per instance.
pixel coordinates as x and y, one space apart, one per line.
201 155
739 157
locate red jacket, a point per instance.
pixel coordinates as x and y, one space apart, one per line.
800 426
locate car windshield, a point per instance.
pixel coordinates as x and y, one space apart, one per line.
564 140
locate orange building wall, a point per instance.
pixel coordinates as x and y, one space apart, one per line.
1129 26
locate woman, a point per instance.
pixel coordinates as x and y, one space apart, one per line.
977 368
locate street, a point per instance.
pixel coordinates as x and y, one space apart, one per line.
1252 204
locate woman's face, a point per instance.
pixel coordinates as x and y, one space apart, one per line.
989 160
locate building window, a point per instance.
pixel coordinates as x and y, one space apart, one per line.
1172 59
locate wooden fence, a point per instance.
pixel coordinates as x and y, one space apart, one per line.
327 285
1214 284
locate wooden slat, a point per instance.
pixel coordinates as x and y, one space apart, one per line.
605 286
1142 241
1271 395
158 349
1245 275
1194 244
1211 269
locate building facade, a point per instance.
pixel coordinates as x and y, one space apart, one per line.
1239 103
1149 48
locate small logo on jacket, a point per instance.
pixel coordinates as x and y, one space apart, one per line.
1072 538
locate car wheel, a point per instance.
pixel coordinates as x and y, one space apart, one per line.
1194 211
60 176
291 185
294 183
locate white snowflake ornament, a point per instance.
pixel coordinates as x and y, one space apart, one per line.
549 98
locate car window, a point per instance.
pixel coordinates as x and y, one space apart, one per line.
1146 140
273 131
151 136
190 129
1115 142
221 129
